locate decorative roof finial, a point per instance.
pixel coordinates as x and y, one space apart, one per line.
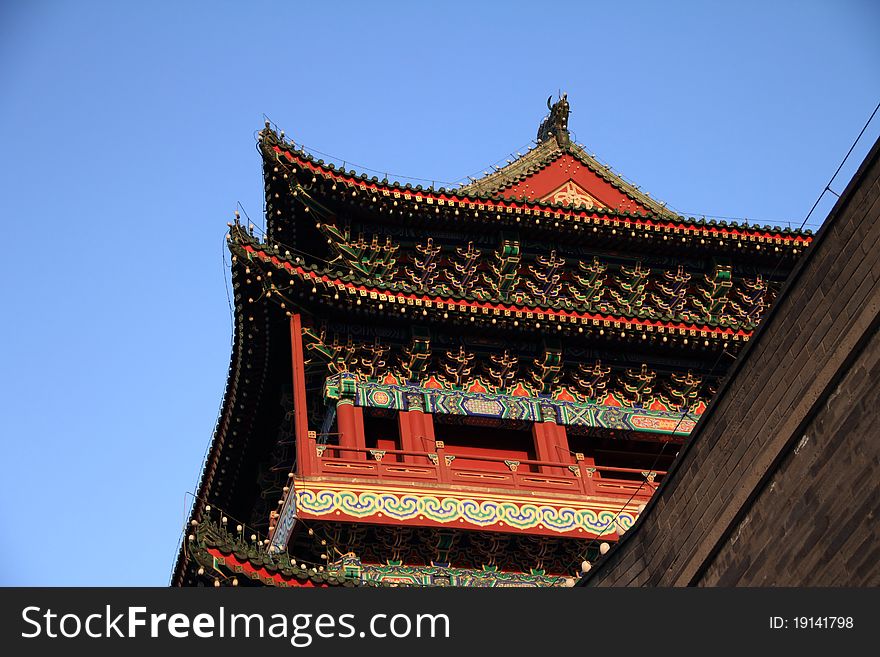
556 124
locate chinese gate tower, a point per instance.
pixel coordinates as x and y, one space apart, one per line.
471 386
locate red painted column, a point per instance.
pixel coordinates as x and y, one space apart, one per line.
551 442
423 431
426 441
305 458
588 472
346 422
426 431
543 445
416 434
359 433
443 468
428 427
416 430
563 453
407 441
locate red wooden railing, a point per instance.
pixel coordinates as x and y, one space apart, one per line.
443 467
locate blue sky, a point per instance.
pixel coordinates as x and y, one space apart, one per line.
127 131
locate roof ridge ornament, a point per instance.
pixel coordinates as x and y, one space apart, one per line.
556 123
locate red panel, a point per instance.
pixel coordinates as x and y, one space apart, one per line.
346 420
423 431
359 432
566 168
471 443
428 426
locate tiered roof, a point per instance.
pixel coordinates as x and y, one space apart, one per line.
554 194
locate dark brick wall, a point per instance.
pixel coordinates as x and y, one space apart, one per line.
779 483
815 521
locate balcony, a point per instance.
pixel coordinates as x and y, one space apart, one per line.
346 483
442 468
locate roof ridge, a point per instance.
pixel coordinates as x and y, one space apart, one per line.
631 190
472 193
543 154
548 152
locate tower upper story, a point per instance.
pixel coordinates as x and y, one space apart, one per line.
541 333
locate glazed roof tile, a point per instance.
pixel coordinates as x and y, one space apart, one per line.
486 191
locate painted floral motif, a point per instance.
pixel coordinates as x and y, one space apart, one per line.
574 195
